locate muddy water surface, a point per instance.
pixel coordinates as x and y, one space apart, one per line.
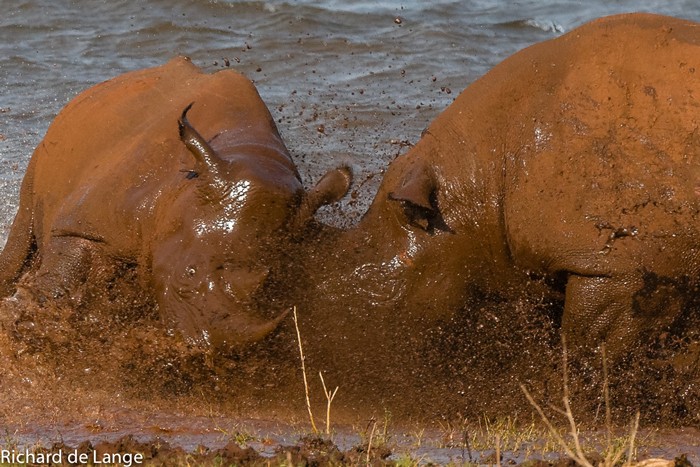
348 83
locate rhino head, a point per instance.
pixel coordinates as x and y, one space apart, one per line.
228 232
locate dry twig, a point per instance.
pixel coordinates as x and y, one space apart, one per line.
329 398
371 437
303 371
612 456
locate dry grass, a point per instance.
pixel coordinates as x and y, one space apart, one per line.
613 454
303 372
330 395
329 400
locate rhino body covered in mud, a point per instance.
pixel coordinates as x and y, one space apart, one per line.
198 210
571 171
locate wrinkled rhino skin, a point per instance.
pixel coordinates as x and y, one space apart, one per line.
116 178
573 165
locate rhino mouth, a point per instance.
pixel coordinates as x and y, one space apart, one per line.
209 316
228 331
378 284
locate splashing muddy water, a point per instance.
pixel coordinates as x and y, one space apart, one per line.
347 83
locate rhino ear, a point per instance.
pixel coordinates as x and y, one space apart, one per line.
417 188
331 188
417 193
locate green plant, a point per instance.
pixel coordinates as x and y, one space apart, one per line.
239 436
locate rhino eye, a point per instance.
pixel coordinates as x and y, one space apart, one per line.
190 271
429 220
418 216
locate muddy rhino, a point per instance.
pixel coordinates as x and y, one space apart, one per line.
197 202
571 170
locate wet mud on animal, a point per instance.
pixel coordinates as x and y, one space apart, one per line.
556 195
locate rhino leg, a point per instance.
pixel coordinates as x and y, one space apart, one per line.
65 264
19 248
17 253
50 293
620 311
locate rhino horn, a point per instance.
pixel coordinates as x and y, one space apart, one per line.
207 161
244 332
254 331
244 282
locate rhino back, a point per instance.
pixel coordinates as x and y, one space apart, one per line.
608 179
584 149
113 155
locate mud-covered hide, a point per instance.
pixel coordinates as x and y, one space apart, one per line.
199 205
570 171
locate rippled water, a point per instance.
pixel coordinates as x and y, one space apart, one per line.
347 80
